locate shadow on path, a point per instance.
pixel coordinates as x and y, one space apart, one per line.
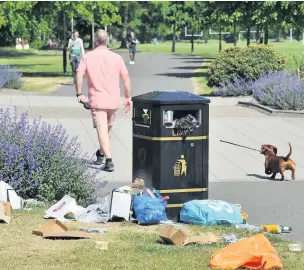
262 177
184 74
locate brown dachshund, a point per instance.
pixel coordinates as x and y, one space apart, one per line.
277 164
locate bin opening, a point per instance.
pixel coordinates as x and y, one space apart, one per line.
170 117
142 117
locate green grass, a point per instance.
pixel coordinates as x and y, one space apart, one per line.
42 70
130 247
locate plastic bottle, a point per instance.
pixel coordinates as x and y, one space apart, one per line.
165 198
274 228
248 227
150 193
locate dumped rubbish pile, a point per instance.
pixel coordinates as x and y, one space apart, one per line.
146 206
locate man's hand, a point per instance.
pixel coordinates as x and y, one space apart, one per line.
127 104
82 98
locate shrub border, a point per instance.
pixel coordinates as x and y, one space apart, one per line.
270 111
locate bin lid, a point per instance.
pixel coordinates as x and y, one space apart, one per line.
170 97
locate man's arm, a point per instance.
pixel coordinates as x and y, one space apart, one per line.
82 48
127 85
79 82
81 70
69 45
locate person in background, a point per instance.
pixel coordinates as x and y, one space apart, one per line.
132 47
104 68
76 52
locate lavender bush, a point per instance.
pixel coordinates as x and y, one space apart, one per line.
10 77
237 87
282 90
41 161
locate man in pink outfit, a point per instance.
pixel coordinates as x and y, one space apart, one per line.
104 69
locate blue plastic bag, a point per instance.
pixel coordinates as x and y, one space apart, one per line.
210 212
149 210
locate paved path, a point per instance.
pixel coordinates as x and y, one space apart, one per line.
153 72
236 174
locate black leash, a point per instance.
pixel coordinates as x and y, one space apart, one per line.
240 145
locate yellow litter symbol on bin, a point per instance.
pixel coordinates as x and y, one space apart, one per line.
180 167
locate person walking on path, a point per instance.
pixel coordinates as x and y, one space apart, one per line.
132 47
76 49
104 68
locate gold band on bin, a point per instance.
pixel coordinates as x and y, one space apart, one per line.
182 190
189 138
175 205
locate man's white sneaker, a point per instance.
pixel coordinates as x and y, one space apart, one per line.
131 63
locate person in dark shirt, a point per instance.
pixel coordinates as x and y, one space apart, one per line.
132 47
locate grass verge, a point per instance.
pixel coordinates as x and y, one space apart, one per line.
44 84
130 247
42 70
200 83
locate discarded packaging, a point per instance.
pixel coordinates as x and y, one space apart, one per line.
57 230
210 213
32 203
137 185
230 238
66 205
8 194
295 247
248 227
68 208
274 228
102 245
170 235
53 226
120 205
5 212
93 230
254 252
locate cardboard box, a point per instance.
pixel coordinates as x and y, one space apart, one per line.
57 230
137 185
5 212
171 235
51 227
120 205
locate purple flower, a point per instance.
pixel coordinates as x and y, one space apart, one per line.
237 87
281 90
42 161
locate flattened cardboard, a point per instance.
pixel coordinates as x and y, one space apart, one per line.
51 227
57 230
136 186
170 235
5 212
67 235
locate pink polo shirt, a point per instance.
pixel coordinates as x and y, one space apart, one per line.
104 69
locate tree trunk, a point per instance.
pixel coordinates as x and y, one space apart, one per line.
266 33
125 26
192 42
278 35
234 32
257 37
174 37
248 22
220 38
64 52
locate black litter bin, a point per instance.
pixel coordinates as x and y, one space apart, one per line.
172 159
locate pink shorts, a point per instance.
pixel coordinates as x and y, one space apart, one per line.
103 118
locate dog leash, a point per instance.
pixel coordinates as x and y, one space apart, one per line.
240 145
